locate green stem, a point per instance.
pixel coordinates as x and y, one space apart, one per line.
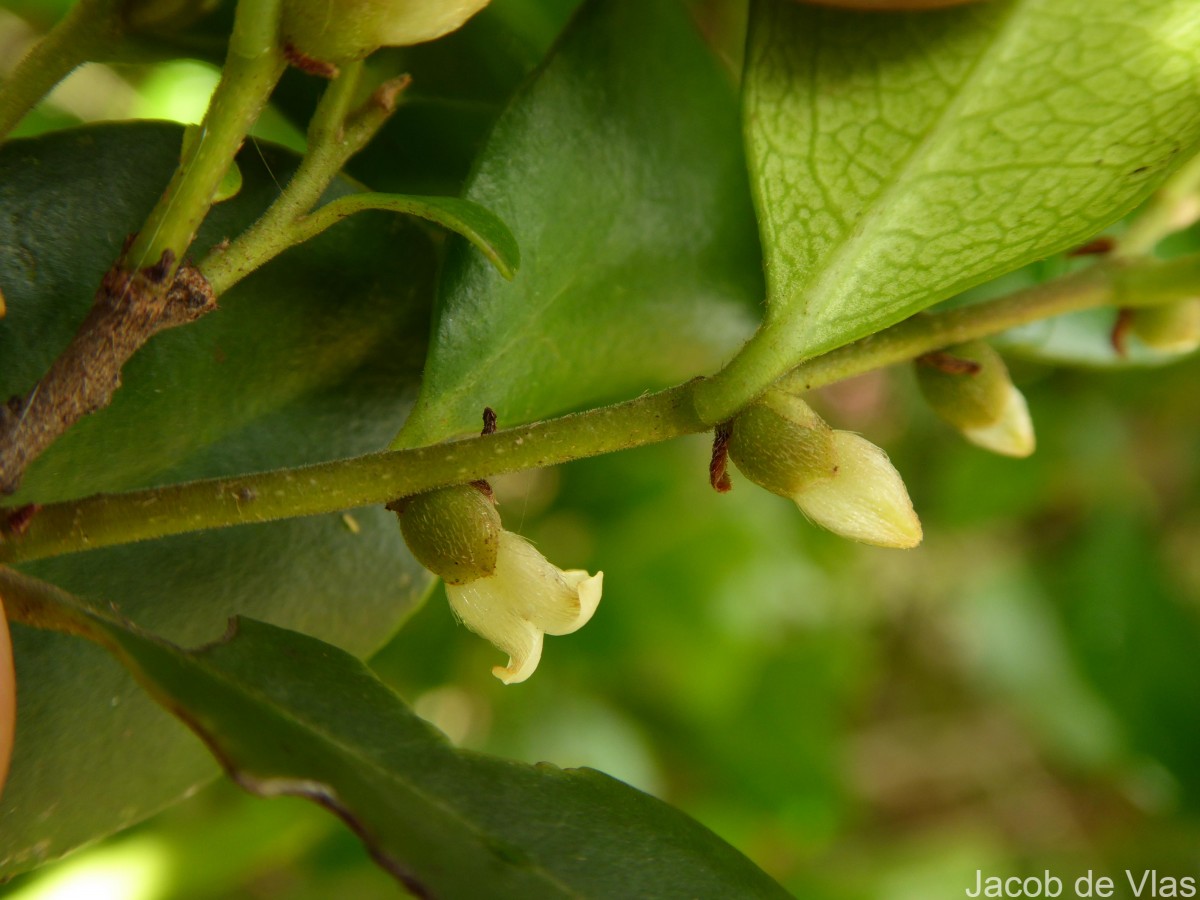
252 67
84 33
924 333
334 136
104 520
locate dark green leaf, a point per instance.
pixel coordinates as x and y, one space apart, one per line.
314 357
619 170
288 714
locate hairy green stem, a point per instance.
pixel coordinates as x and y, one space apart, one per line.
104 520
1114 283
87 30
253 66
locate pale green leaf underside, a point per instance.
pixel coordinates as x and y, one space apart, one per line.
900 158
1081 339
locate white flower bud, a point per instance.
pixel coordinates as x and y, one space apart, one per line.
524 598
839 480
864 499
969 387
340 31
1011 434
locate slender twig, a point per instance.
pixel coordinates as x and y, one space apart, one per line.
104 520
146 291
252 67
129 308
335 134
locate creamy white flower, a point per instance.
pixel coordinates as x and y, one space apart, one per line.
864 498
1011 434
523 599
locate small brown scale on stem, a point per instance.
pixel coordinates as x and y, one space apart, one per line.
1096 247
129 308
489 427
948 363
306 63
1119 335
718 466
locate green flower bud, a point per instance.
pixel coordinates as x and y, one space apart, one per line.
779 443
453 532
1169 328
977 396
340 31
839 480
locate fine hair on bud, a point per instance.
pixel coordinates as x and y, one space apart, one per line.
779 443
454 532
865 500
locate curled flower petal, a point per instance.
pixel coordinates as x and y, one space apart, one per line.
525 597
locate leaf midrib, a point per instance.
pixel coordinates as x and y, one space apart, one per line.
850 248
262 699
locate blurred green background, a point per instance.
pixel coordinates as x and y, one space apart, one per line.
1020 693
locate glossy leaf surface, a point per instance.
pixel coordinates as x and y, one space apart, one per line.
288 714
314 357
619 170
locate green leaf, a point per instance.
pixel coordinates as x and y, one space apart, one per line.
288 714
314 357
1135 635
474 222
898 159
619 171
